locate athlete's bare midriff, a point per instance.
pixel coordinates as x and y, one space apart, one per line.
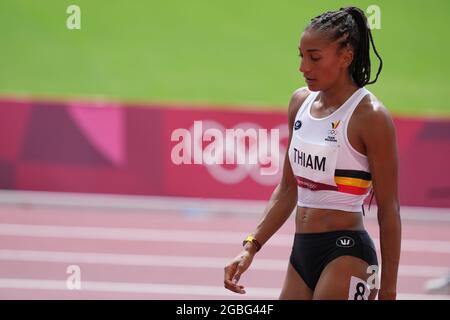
312 220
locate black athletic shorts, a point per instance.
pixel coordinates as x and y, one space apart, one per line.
311 252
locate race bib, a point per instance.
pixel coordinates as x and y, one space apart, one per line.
358 290
313 163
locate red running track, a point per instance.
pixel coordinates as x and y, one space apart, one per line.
137 254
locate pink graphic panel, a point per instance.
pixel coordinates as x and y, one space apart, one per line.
232 180
104 126
107 148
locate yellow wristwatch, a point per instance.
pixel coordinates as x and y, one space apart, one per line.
252 239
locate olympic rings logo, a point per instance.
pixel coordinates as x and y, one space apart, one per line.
332 132
233 154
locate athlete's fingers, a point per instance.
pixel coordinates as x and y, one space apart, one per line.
239 271
230 270
229 282
235 287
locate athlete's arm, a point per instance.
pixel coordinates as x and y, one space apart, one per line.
284 198
378 134
281 204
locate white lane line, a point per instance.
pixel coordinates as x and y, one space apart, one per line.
178 204
179 261
175 235
132 202
130 287
137 234
127 287
413 296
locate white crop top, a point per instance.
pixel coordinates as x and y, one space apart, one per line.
330 173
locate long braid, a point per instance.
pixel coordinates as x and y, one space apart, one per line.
349 26
378 56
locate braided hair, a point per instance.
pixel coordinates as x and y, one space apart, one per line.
349 26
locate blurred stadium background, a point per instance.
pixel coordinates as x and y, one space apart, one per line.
85 121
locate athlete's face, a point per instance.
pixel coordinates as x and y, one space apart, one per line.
323 62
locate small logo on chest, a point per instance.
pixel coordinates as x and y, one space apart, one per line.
333 132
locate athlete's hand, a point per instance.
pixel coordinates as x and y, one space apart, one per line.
235 268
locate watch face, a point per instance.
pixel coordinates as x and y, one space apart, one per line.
252 240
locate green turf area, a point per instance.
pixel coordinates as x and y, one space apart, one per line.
209 51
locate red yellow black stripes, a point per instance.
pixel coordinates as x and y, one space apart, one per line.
353 181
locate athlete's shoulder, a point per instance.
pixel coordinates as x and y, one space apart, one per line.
373 113
297 99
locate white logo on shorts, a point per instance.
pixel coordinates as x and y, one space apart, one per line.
345 242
